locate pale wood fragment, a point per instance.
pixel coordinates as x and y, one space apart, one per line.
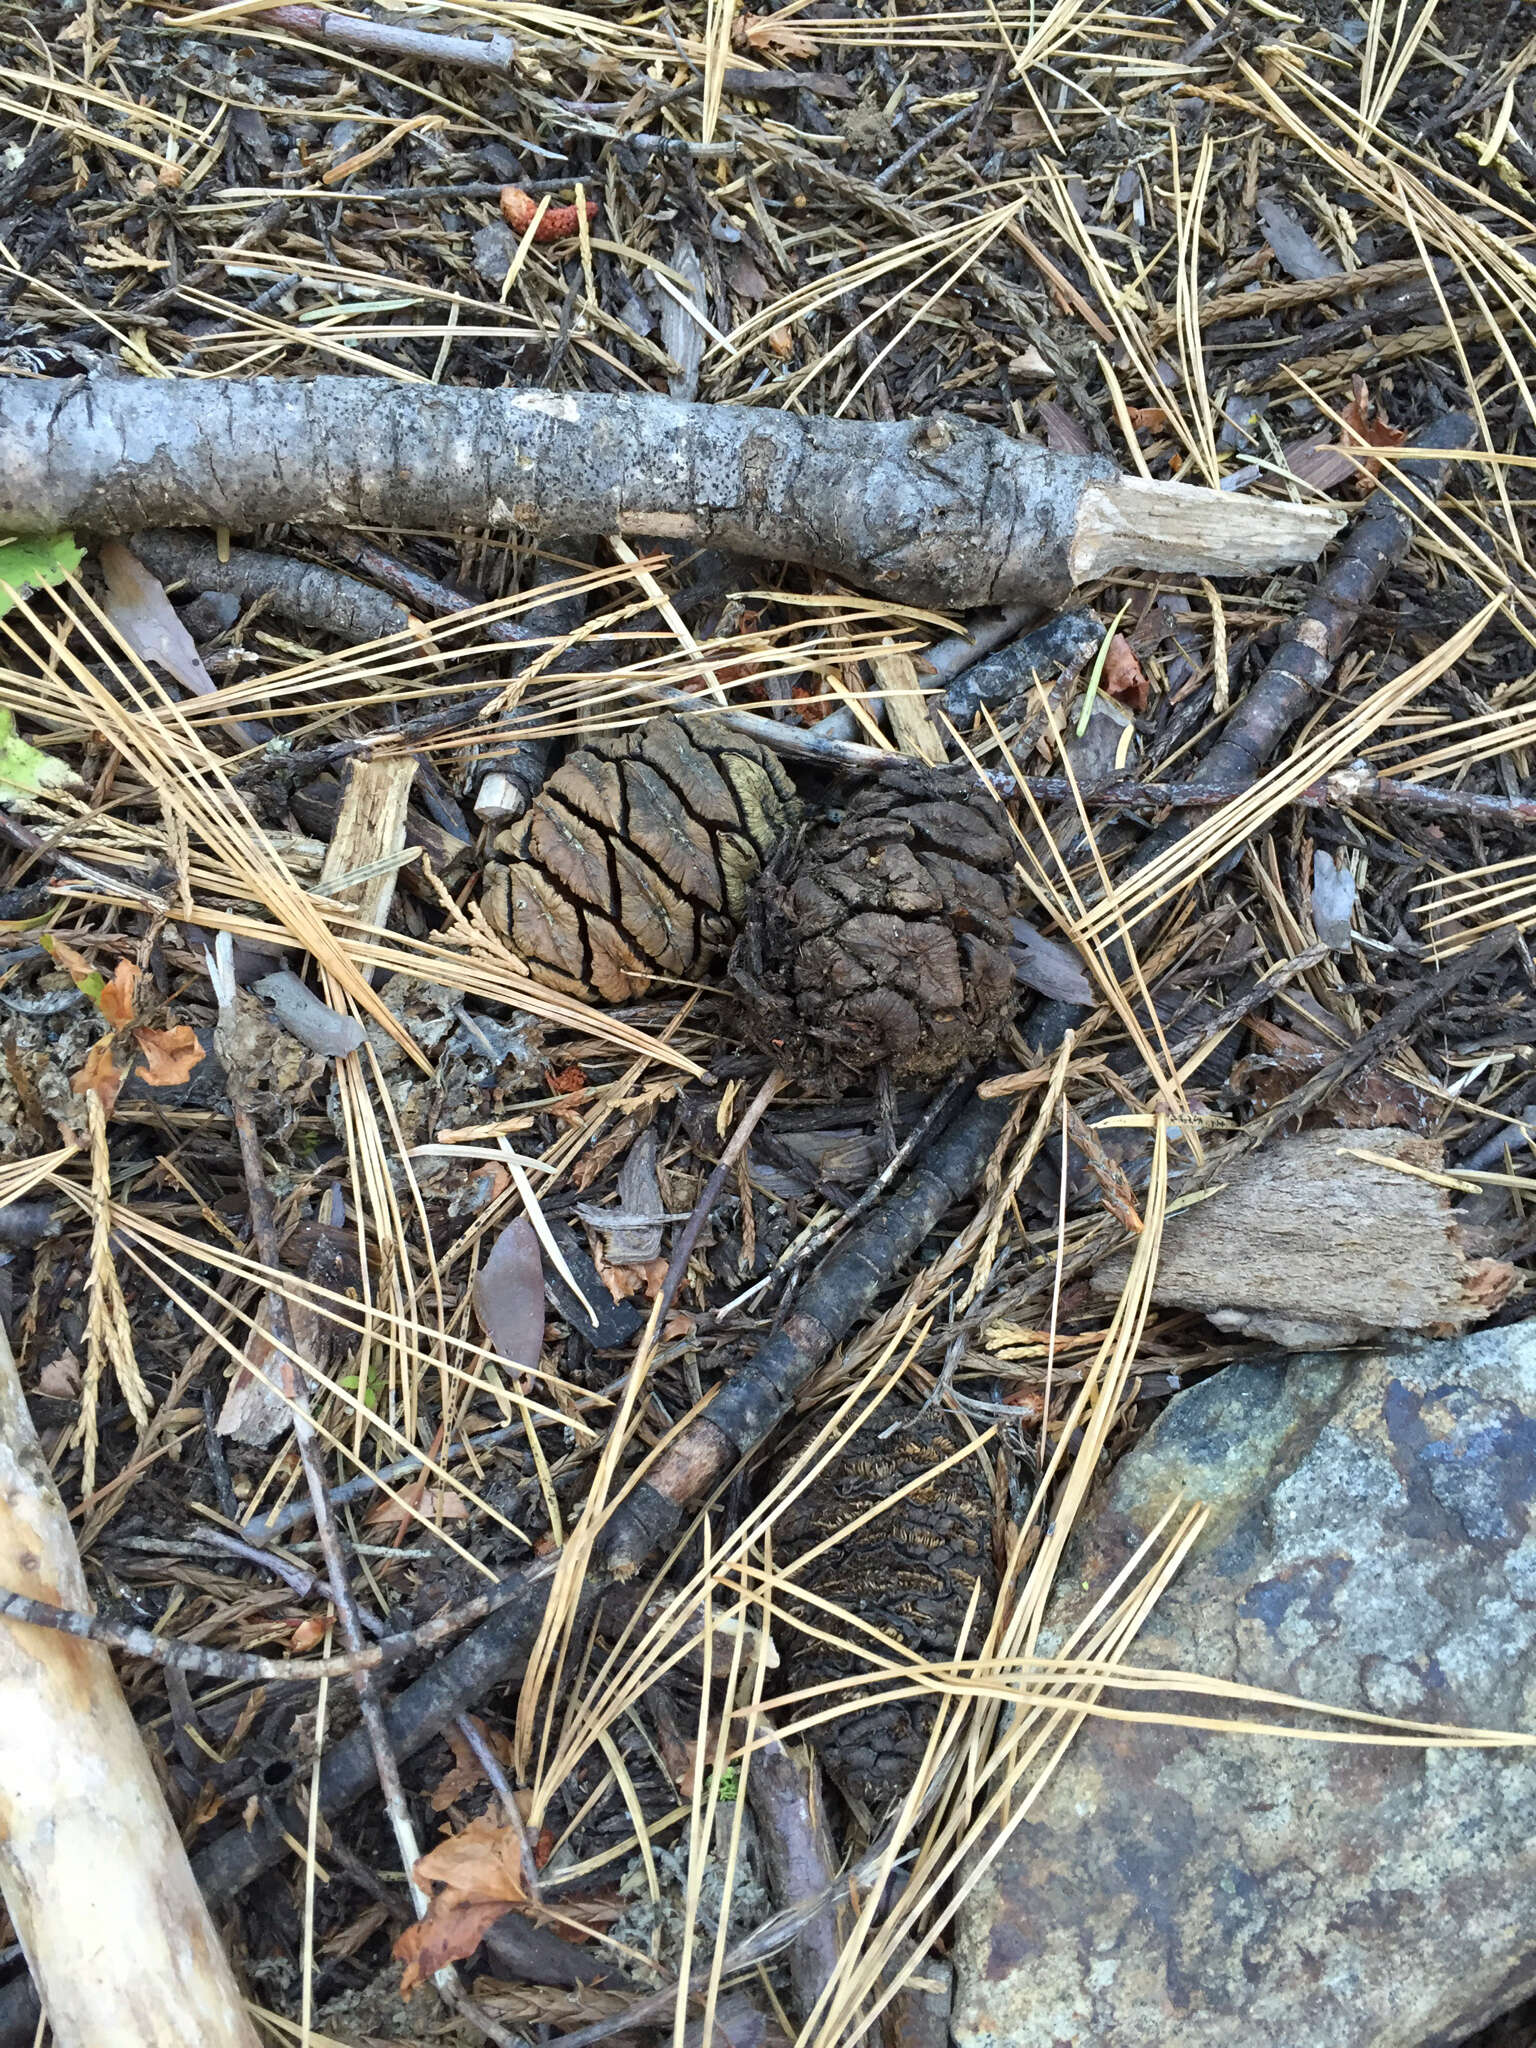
1181 528
1309 1245
370 828
905 708
120 1944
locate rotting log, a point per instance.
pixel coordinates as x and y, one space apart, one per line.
119 1942
934 511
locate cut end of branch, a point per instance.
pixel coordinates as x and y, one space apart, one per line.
1186 530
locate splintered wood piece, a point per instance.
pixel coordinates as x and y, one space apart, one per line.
1310 1245
370 830
96 1880
911 727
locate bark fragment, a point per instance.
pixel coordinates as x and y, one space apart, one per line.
1308 1244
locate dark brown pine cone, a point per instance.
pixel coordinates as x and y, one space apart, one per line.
881 933
909 1573
637 856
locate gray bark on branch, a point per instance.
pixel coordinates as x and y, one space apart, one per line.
937 511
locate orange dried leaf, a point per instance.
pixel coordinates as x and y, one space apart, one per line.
1147 419
565 1080
448 1934
116 1001
480 1870
99 1076
482 1861
1123 678
169 1056
307 1634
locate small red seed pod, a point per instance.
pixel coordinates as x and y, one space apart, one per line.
518 208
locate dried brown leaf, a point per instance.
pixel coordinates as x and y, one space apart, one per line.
146 618
480 1870
509 1294
1123 677
771 38
169 1056
61 1378
117 998
99 1076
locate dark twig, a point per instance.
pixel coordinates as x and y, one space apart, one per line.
315 596
688 1236
1355 784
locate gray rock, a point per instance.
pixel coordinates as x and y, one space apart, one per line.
491 250
1370 1547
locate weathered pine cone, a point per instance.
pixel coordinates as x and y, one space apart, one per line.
881 934
637 856
910 1573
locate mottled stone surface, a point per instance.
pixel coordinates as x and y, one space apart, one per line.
1371 1547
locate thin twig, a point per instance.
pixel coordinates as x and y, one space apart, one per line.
688 1236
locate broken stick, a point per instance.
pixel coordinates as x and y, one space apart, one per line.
95 1877
935 511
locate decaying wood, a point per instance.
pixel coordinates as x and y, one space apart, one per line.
935 511
1311 1245
95 1878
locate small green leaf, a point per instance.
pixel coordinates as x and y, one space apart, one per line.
728 1785
24 770
34 563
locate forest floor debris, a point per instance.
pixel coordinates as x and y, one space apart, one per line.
551 1276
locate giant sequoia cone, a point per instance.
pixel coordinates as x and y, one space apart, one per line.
910 1573
636 857
881 934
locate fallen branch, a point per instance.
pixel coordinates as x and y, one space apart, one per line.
314 596
933 511
1356 784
